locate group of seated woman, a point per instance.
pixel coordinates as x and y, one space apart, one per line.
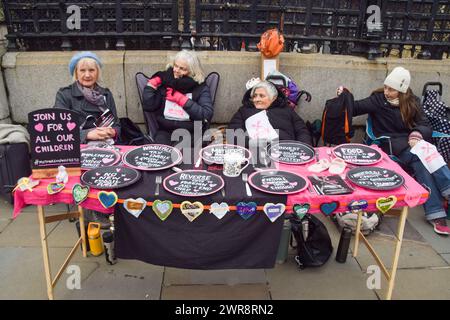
179 96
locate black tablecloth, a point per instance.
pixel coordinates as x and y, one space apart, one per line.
205 243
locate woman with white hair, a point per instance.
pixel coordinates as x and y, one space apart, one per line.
266 114
179 96
89 99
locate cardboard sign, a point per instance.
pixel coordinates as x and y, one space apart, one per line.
193 183
359 154
152 157
375 178
277 182
110 177
290 152
55 141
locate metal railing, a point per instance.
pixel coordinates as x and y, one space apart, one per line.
363 27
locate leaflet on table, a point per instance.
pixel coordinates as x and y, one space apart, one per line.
330 185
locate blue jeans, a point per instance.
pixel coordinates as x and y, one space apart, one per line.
437 183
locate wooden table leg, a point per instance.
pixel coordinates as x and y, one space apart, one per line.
48 274
398 246
357 231
82 231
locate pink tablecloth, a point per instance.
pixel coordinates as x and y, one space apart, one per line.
415 193
40 196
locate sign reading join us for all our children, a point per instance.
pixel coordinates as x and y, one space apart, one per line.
55 141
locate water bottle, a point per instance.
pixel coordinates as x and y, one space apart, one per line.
344 243
108 243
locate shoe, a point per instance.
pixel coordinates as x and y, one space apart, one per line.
95 216
440 226
321 165
337 166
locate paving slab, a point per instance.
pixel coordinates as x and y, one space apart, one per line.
439 243
22 272
175 276
412 254
446 257
420 284
331 281
125 280
216 292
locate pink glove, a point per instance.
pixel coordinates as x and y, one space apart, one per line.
177 97
154 82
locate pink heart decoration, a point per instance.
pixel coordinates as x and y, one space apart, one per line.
107 160
412 199
173 182
293 183
71 125
97 174
118 169
265 185
39 127
371 154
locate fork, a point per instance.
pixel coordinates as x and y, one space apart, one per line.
247 187
158 181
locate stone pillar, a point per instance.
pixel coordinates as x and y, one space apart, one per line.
4 106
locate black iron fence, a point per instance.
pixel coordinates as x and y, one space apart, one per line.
364 27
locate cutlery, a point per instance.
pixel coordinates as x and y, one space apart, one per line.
176 169
223 192
263 158
158 181
404 186
247 187
199 161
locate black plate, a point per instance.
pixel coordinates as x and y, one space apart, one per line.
92 158
290 152
110 177
358 154
152 157
193 183
277 181
375 178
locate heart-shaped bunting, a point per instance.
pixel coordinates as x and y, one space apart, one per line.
55 187
79 193
135 206
412 199
162 208
385 204
246 210
274 211
329 207
301 209
107 199
219 210
191 210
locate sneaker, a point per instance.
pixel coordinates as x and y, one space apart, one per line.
440 226
95 216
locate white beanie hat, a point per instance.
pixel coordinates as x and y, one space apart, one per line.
398 79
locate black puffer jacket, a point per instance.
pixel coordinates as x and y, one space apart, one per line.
72 98
282 118
387 121
199 108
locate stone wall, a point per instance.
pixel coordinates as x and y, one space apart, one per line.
33 78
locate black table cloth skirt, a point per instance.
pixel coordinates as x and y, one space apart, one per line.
205 243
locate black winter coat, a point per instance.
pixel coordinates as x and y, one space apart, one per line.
282 118
72 98
387 121
199 108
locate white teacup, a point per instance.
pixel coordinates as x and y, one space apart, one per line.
232 164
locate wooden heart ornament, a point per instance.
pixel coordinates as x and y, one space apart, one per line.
107 199
162 209
191 210
246 210
274 211
385 204
79 193
412 199
135 206
301 209
219 210
55 187
329 207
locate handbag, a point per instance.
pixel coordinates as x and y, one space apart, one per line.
131 134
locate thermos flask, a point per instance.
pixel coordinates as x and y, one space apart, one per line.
95 238
344 243
108 243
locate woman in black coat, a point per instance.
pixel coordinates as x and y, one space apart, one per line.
179 96
89 99
264 96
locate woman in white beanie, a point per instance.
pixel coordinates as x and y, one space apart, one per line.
396 112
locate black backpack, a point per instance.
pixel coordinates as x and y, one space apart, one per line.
316 249
337 119
131 134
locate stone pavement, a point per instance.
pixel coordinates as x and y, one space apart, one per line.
423 273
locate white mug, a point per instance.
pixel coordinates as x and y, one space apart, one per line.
232 163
